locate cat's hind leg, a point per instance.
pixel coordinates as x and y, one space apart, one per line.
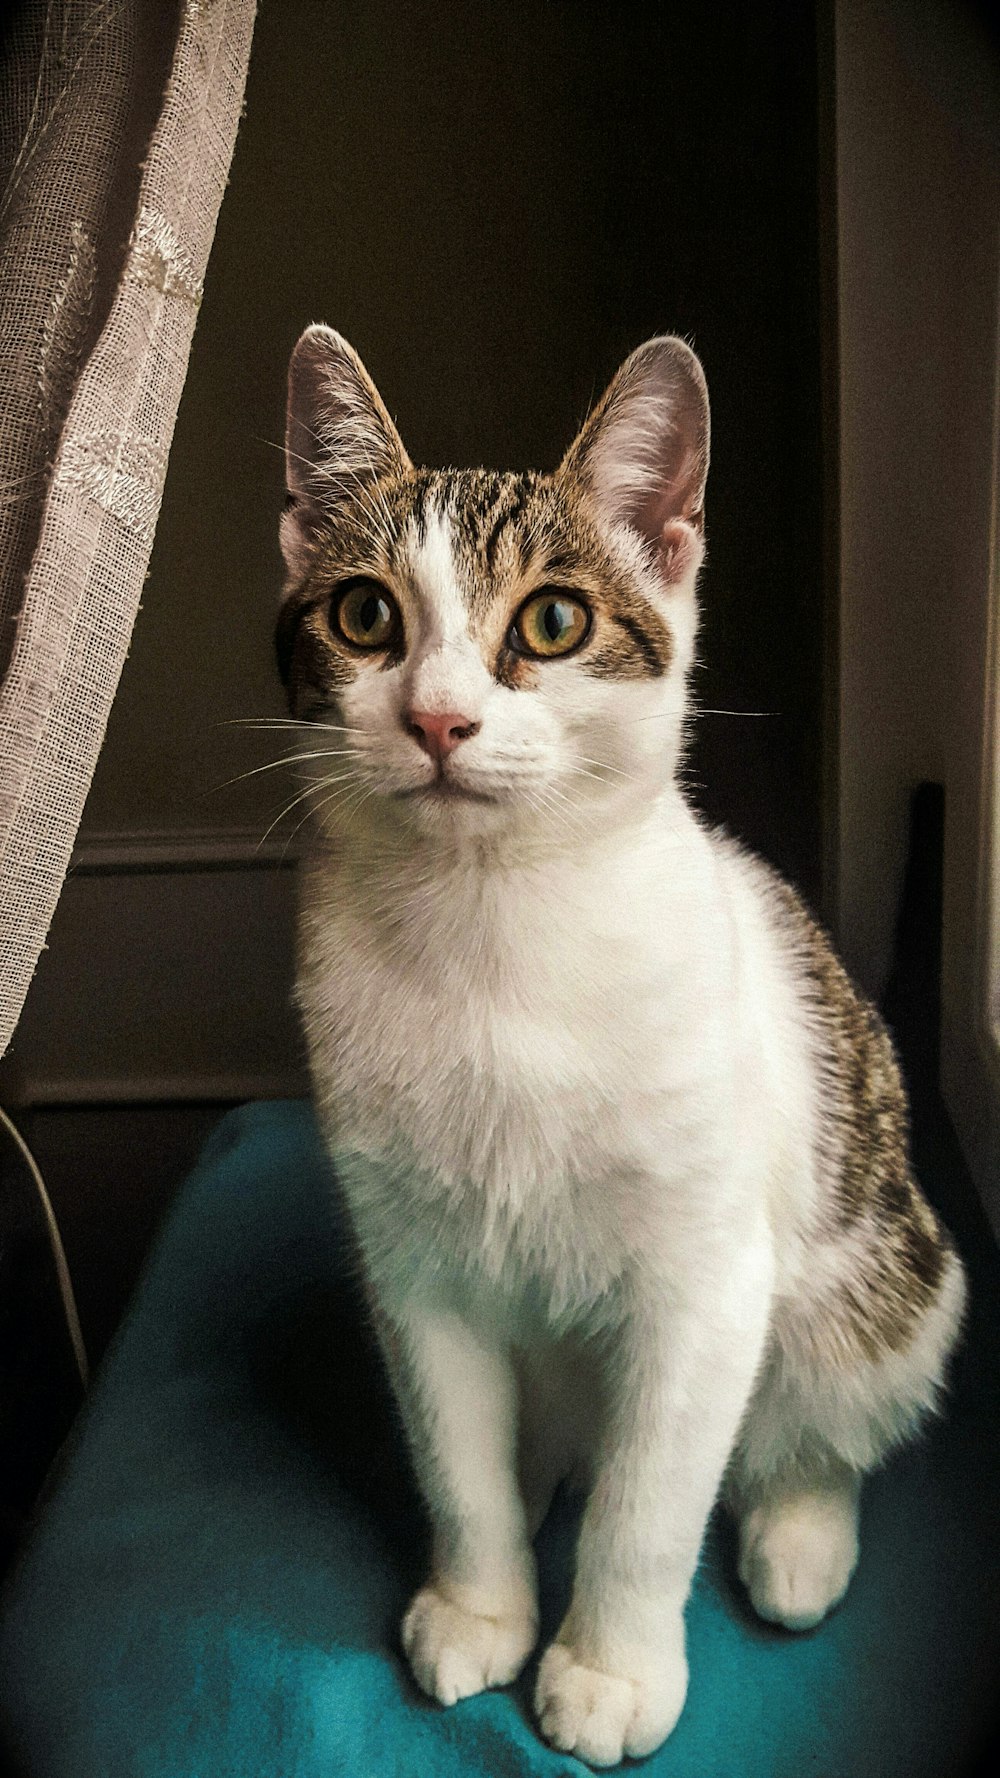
833 1398
799 1548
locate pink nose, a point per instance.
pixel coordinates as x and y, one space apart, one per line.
439 735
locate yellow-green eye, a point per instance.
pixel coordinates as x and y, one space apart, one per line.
550 623
366 614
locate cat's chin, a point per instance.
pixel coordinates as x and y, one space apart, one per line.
456 812
451 809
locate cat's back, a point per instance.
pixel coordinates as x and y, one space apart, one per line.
862 1121
871 1225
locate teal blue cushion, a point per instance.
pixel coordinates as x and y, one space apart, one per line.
215 1584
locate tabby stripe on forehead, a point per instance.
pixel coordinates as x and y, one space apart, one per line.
512 511
418 508
656 656
560 562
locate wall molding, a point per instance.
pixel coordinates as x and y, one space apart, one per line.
110 854
167 976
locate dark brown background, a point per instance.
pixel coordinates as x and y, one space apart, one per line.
496 202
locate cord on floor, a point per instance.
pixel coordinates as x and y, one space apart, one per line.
66 1293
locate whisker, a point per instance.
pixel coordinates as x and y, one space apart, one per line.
315 811
605 766
339 796
342 800
354 807
553 790
292 722
563 818
295 830
364 490
697 710
289 759
314 784
337 481
581 772
553 803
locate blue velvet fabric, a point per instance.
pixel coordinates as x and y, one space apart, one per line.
214 1585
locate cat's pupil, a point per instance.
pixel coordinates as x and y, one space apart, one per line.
370 612
555 621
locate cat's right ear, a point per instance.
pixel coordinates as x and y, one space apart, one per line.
642 454
338 439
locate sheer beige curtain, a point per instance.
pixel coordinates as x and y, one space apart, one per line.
118 120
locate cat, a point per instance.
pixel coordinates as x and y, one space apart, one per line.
624 1151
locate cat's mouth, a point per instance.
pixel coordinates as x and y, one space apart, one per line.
446 790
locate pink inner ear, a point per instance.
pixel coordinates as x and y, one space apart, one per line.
667 509
680 548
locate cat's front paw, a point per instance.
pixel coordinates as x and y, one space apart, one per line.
602 1716
454 1652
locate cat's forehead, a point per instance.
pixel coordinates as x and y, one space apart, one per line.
481 504
468 534
491 526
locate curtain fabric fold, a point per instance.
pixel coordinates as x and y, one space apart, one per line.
120 119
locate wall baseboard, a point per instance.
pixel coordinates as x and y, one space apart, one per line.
185 1089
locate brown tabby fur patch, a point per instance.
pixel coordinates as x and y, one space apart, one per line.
904 1249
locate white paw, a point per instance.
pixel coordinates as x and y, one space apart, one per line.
796 1557
600 1716
454 1652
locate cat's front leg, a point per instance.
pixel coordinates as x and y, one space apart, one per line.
681 1373
475 1621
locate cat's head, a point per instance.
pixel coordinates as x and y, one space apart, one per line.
487 652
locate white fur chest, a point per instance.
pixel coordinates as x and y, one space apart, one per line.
511 1058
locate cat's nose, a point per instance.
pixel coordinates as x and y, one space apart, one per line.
439 735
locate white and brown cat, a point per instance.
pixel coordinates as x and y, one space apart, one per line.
624 1151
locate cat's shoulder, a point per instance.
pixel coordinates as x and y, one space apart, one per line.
783 918
778 904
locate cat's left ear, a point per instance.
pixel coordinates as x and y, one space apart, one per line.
339 439
642 454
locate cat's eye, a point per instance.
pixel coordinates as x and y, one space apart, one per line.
550 623
365 614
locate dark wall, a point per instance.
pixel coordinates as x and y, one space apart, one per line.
713 229
496 202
